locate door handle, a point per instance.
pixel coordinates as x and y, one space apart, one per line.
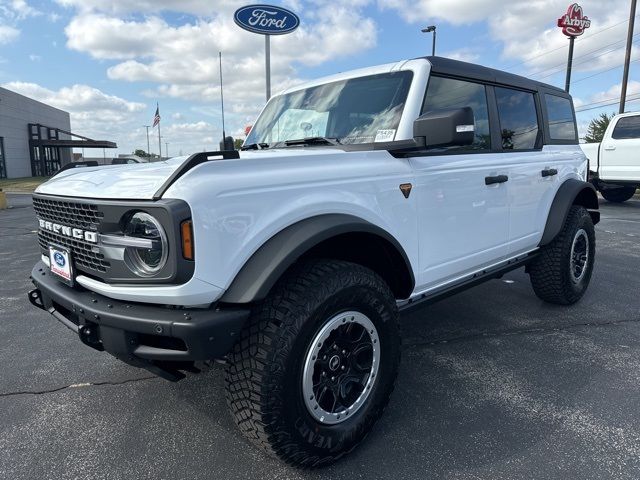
610 147
496 179
549 172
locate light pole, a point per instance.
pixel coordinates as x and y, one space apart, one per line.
166 149
148 146
431 28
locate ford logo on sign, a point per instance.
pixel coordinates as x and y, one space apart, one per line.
266 19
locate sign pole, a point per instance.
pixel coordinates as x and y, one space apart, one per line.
266 20
267 60
567 82
627 57
573 24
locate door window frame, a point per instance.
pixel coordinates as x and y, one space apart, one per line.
494 120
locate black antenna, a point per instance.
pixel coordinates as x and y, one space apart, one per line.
224 135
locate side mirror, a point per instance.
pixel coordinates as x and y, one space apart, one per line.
441 128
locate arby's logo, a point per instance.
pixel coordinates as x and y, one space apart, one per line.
574 22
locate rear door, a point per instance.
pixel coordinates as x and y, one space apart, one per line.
535 171
620 153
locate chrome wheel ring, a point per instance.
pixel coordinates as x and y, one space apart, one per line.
341 367
579 256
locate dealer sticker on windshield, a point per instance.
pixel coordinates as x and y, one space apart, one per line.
385 135
60 261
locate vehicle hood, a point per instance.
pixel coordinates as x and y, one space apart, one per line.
142 181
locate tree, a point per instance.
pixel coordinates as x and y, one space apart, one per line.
141 153
237 143
597 127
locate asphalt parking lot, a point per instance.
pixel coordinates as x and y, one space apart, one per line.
494 384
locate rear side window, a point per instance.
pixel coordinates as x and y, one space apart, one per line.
518 119
560 117
446 94
627 127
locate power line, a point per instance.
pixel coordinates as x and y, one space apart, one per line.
612 101
581 39
603 71
563 65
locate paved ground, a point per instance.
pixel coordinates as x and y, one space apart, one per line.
494 384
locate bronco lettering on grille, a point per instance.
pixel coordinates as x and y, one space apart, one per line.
76 233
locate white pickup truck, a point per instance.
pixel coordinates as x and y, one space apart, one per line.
614 164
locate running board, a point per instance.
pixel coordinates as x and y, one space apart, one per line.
472 280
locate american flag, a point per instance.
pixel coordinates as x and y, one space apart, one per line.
156 118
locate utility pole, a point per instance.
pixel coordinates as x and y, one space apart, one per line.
627 56
431 28
166 149
148 145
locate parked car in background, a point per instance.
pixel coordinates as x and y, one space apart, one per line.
614 164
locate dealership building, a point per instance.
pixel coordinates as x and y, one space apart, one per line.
35 138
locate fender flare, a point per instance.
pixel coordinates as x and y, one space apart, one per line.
571 192
263 269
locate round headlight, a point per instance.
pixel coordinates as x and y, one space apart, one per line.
151 255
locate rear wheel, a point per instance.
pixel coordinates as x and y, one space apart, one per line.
561 272
314 369
618 195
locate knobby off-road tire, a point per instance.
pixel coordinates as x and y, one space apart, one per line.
319 307
562 271
618 195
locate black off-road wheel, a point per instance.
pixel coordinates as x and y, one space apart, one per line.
562 271
618 195
316 365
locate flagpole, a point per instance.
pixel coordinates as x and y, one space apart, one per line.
159 137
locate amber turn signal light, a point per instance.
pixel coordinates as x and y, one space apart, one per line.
187 239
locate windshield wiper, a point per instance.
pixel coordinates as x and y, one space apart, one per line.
255 146
313 141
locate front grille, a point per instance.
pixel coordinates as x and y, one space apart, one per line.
86 216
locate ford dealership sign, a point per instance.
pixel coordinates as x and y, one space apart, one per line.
266 19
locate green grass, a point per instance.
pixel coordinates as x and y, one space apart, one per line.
27 184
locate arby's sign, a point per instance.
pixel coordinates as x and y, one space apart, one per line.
574 22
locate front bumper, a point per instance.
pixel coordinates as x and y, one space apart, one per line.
157 338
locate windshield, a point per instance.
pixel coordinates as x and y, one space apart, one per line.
358 110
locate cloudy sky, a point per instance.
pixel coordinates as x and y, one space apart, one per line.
108 62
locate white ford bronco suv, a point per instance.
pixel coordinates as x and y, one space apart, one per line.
614 164
354 197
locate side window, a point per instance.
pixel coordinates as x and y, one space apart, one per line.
447 93
561 123
626 128
518 119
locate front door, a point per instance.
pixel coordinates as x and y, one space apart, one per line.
463 221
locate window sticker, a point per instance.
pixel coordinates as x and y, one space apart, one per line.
385 135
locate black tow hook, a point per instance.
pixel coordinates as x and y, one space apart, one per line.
35 298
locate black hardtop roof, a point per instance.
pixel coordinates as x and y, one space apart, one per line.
457 68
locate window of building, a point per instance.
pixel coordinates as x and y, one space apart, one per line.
518 119
447 94
3 164
562 126
627 127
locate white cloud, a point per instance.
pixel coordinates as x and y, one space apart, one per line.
93 112
464 54
182 59
527 30
8 34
